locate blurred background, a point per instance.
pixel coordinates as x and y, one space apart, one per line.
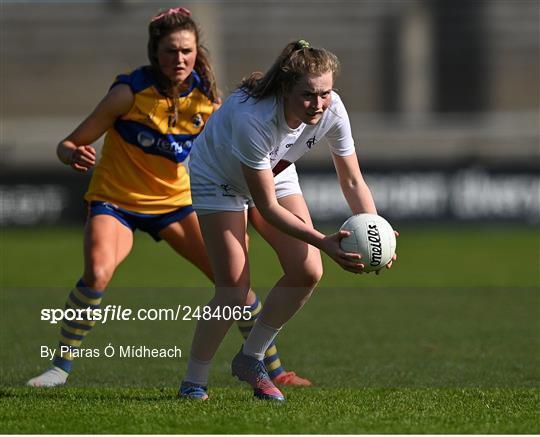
443 97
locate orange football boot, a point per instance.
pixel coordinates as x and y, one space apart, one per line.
290 378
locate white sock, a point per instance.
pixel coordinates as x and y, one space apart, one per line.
259 340
197 371
51 378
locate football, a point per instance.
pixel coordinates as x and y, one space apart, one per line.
372 237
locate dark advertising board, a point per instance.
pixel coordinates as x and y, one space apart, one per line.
474 193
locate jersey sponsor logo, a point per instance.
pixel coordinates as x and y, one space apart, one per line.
145 139
164 144
311 142
274 153
173 147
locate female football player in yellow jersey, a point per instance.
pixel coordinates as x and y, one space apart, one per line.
150 117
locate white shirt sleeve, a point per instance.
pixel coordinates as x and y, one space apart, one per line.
339 135
251 143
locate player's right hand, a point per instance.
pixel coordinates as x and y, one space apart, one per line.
83 158
346 260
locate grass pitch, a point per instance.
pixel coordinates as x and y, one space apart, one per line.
446 342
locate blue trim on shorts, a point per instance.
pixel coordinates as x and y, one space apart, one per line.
152 224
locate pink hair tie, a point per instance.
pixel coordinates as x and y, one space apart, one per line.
181 11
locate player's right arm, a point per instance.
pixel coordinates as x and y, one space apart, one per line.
262 189
76 150
252 145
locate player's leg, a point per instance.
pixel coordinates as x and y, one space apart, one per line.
272 359
301 264
185 237
302 269
107 242
225 239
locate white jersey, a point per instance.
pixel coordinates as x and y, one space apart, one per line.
255 133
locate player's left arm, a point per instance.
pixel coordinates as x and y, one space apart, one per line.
353 186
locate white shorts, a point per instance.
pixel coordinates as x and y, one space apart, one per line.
209 197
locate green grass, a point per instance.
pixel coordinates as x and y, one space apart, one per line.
461 256
307 411
446 342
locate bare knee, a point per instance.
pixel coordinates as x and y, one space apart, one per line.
98 277
307 275
313 275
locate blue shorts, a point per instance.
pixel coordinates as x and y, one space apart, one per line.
151 223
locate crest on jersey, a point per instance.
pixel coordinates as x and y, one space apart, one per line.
197 120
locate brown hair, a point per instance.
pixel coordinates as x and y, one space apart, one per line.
167 22
296 60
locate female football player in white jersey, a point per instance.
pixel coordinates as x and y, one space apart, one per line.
150 117
242 168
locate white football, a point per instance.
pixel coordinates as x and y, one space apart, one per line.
372 237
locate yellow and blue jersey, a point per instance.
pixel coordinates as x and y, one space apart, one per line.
141 167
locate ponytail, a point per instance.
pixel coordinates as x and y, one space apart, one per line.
296 60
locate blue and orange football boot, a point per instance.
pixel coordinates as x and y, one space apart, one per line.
189 390
253 371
